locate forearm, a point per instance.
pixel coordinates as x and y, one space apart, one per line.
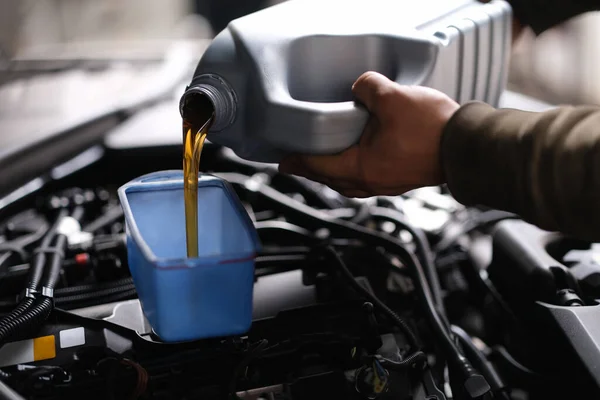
542 15
543 166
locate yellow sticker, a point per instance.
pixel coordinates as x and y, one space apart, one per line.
44 348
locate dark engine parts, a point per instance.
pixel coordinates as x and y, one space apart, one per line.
414 297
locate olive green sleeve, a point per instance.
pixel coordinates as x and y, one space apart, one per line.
543 166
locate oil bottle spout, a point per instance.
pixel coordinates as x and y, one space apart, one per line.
208 94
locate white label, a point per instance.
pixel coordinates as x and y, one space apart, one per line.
72 337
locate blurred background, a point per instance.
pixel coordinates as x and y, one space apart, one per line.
558 67
561 65
66 62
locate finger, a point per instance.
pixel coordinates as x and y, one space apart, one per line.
342 166
370 87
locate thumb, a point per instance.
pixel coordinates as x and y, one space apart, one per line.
369 88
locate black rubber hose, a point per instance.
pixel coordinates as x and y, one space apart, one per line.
480 362
362 214
23 306
481 221
251 354
92 287
301 185
60 243
414 359
423 251
67 304
36 269
308 215
32 313
32 318
343 268
17 246
33 237
519 373
95 295
112 215
4 258
118 286
54 265
78 213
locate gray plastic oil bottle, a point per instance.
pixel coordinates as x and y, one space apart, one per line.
280 79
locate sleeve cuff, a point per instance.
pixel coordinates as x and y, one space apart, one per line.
479 158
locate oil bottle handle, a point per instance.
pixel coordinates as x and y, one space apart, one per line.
330 127
327 127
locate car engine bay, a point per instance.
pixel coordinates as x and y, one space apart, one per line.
407 297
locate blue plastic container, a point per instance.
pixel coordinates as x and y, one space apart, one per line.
190 298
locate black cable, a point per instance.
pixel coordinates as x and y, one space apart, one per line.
23 306
480 361
17 246
481 221
31 318
31 313
445 262
90 301
92 287
52 271
57 256
266 265
414 359
490 217
277 228
77 213
303 186
308 215
4 258
109 292
31 238
72 296
251 354
362 214
343 268
95 293
112 215
423 251
501 355
37 265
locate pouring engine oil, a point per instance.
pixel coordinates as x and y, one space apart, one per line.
198 116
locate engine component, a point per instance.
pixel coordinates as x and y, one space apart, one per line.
347 328
522 268
528 271
352 299
585 267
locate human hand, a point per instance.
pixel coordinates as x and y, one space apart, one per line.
399 149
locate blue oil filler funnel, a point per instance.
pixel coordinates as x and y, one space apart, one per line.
190 298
